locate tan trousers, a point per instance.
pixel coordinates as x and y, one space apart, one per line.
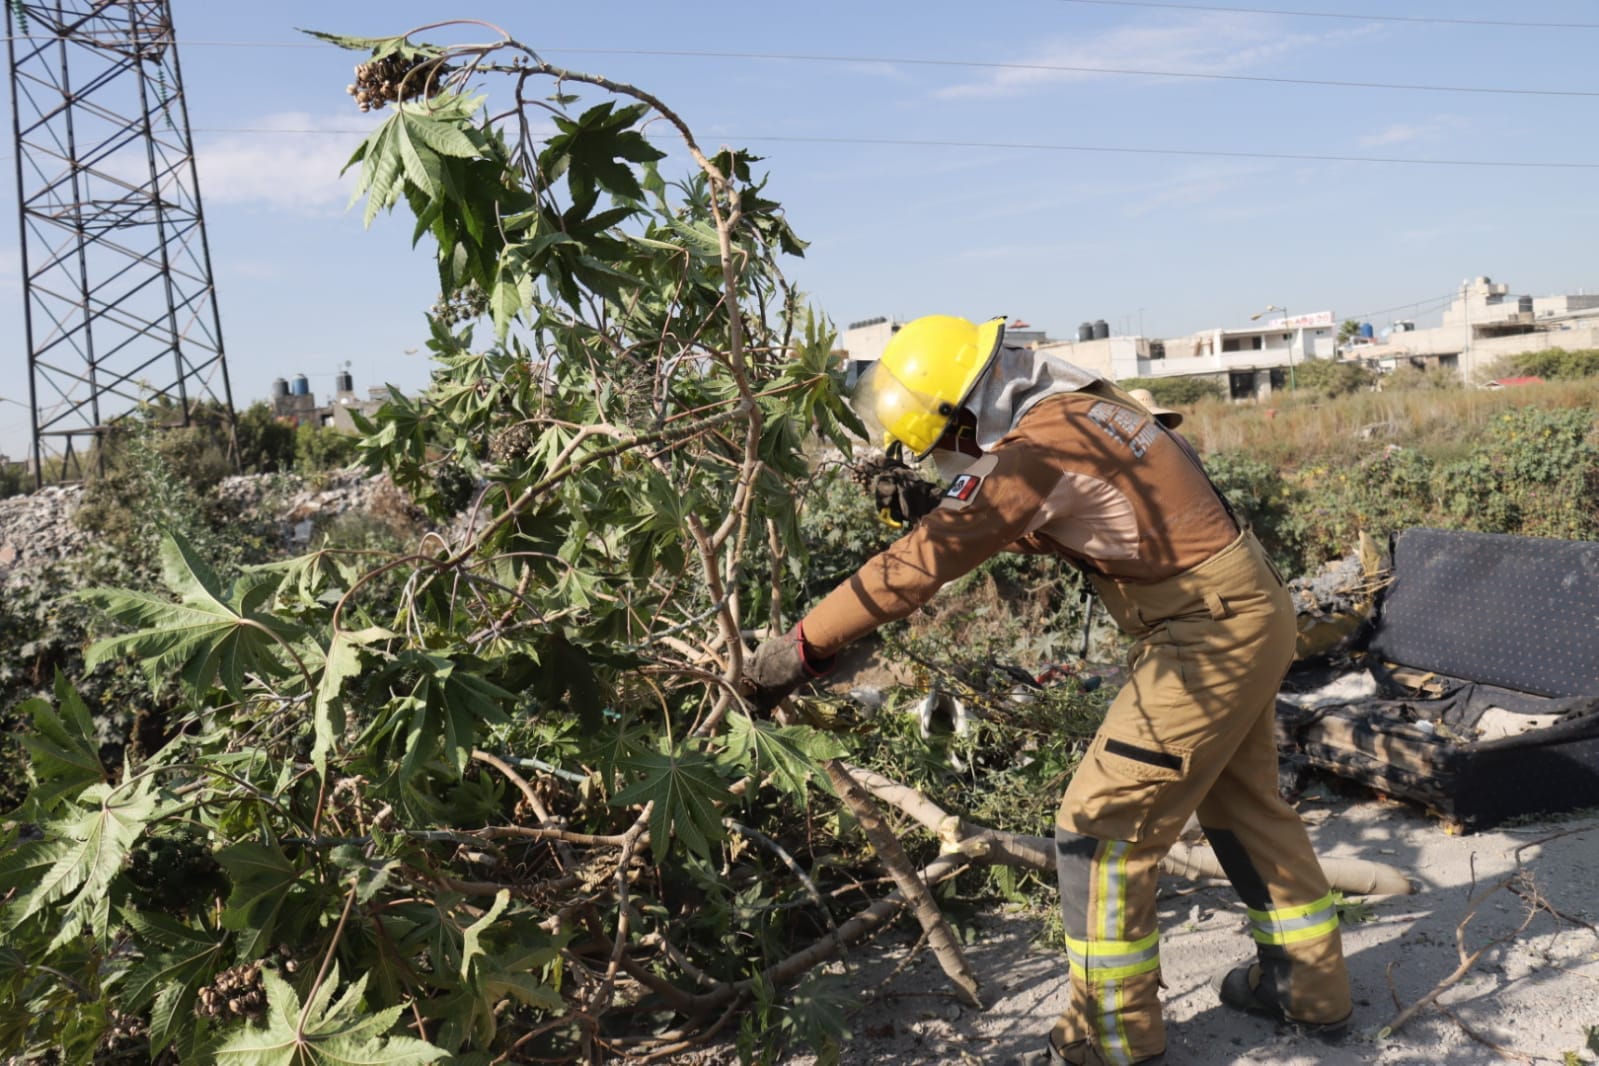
1190 731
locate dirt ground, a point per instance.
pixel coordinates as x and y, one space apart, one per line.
1532 998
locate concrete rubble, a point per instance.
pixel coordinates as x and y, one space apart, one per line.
38 528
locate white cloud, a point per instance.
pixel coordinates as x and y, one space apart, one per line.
1407 132
288 162
1400 133
1203 44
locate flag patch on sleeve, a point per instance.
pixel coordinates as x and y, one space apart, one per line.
963 487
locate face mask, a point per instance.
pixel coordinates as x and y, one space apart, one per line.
951 465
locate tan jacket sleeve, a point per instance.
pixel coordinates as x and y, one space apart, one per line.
974 521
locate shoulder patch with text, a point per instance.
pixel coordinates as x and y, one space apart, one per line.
963 488
1127 427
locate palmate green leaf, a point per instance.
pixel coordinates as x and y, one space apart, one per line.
792 755
685 789
86 853
700 237
594 150
378 47
437 125
178 959
420 163
203 637
343 662
382 165
468 701
470 948
602 278
344 1034
265 881
65 752
513 290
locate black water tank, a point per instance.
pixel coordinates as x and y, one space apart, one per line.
1101 329
280 388
1085 332
343 382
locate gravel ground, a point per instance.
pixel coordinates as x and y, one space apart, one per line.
1532 998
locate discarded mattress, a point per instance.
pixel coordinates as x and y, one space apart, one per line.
1474 689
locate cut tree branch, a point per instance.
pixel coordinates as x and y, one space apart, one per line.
892 854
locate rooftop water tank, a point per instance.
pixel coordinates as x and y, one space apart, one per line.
301 386
280 388
343 382
1101 329
1366 331
1085 332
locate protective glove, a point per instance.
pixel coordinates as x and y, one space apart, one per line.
902 496
779 666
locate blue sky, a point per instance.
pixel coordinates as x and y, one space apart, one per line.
939 160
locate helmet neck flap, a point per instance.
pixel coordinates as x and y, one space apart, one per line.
1015 382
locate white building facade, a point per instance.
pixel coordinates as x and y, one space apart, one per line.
1483 324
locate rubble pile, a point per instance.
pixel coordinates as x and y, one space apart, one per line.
301 507
40 528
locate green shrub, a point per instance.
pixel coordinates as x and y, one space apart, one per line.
1264 500
318 450
1557 364
1531 472
155 480
14 479
1416 378
266 444
1177 392
1379 494
1326 378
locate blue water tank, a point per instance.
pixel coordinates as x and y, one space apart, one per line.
1366 331
301 385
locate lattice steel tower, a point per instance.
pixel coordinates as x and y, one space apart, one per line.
119 305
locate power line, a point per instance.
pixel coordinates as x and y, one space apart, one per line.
900 142
1061 68
1502 23
1298 157
1419 307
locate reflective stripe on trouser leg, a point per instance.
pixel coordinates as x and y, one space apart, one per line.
1114 974
1294 925
1299 946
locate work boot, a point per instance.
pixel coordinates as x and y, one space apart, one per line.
1240 989
1079 1053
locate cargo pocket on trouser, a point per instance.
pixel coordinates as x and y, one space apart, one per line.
1118 788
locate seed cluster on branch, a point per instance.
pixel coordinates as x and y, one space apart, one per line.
236 993
391 79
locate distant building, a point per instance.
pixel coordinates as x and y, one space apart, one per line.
1249 362
293 401
1484 323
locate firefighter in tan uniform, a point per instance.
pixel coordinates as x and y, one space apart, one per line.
1041 455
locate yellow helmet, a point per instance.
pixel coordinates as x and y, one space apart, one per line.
928 369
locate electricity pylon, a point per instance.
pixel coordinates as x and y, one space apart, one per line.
119 305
